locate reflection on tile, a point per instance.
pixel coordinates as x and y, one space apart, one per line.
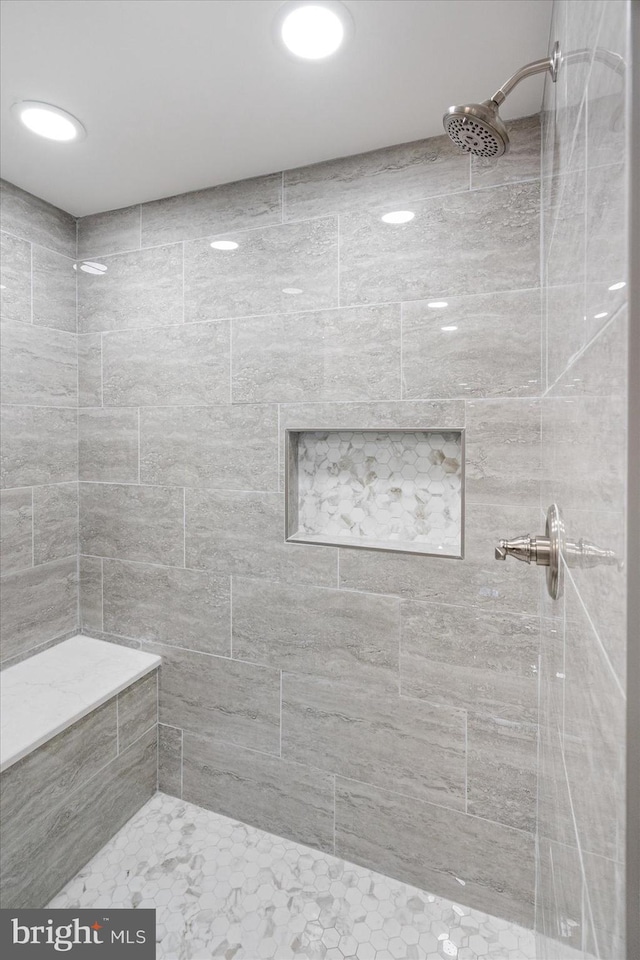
15 277
503 451
521 163
90 370
90 586
55 521
560 891
445 250
287 799
564 247
478 346
137 710
565 327
255 277
54 290
606 224
132 522
219 698
26 216
242 534
138 289
39 445
108 444
375 739
170 760
484 662
409 171
227 447
438 849
112 232
176 365
606 885
16 529
341 635
350 354
38 366
37 605
230 206
167 605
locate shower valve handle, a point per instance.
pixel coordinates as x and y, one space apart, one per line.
526 548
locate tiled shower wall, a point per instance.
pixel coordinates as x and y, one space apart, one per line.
380 705
585 241
39 497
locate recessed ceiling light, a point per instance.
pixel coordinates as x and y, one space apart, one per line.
48 121
618 286
438 304
224 245
448 328
292 290
313 29
398 216
90 266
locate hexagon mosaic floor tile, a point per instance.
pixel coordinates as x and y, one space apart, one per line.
227 890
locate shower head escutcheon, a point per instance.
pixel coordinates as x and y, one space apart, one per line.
477 128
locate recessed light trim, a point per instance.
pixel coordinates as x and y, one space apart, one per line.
313 30
224 245
48 121
398 216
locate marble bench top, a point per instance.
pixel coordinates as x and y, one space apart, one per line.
42 696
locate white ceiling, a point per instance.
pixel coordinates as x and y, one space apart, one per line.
182 94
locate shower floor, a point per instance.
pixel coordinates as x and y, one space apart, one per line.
224 889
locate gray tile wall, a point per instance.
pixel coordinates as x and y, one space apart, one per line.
64 801
299 682
582 704
39 396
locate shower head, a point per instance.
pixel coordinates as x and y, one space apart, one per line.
477 128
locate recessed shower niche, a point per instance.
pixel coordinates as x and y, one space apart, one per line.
400 490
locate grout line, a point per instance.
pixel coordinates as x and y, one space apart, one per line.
338 253
31 282
102 369
118 724
230 322
401 351
102 594
184 527
138 444
181 762
231 616
280 751
334 814
33 531
183 297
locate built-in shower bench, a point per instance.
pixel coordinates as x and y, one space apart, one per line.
78 758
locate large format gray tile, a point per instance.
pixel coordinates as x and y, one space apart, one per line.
132 522
15 278
45 777
176 365
16 529
227 447
564 328
90 370
502 451
242 534
414 746
167 605
170 760
606 884
392 176
137 710
39 445
55 521
351 354
484 662
38 366
254 278
33 219
312 630
108 444
477 581
559 893
606 225
111 232
287 799
446 250
230 206
564 247
90 587
522 162
493 350
38 604
437 849
220 698
138 289
53 290
40 862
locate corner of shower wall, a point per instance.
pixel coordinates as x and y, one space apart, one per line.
39 496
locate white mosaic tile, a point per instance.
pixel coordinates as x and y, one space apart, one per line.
385 489
225 889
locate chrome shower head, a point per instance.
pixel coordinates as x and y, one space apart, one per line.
477 128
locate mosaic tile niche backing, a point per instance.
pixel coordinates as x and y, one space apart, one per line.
384 490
